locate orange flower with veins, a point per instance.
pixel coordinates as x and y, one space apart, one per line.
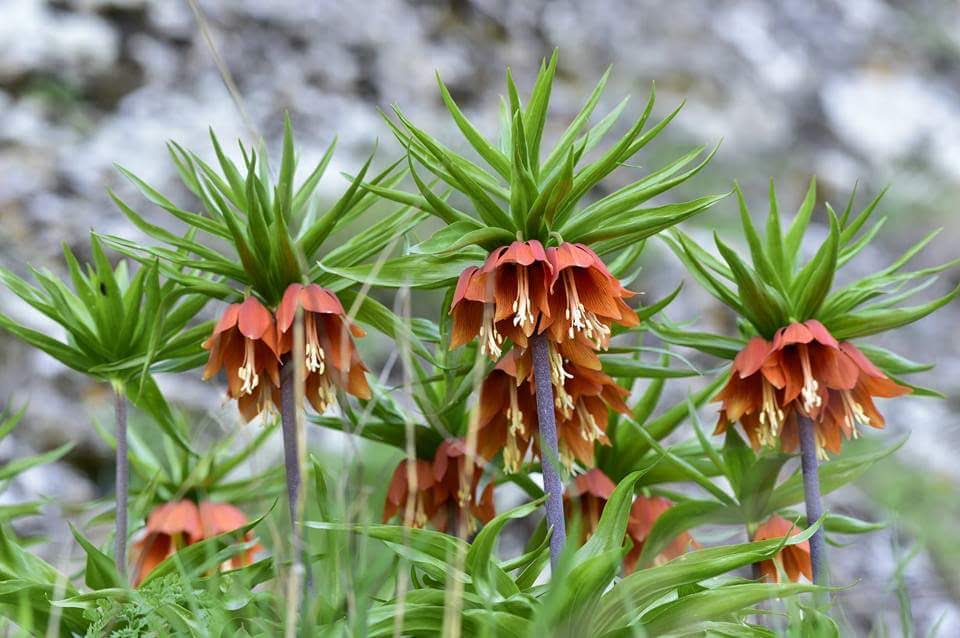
794 560
443 496
177 524
330 356
508 415
588 299
521 289
244 344
504 298
804 371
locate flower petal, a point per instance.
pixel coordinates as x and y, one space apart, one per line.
254 320
752 357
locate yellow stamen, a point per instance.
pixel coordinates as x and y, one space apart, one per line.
821 447
490 339
771 416
811 398
522 308
558 377
326 394
511 453
514 415
853 413
589 429
581 319
248 371
566 456
420 514
315 356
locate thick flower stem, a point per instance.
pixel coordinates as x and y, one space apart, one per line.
122 481
291 460
811 491
550 454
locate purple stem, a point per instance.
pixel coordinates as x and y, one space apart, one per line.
549 450
291 460
811 492
122 482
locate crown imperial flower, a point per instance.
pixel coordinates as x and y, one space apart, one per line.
177 524
508 415
330 356
591 491
794 560
590 297
505 297
443 493
643 515
244 343
803 371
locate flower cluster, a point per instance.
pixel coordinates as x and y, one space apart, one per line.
177 524
442 494
567 293
803 371
508 410
250 343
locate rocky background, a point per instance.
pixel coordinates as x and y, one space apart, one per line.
847 90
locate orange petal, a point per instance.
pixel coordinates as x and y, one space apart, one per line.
789 335
752 357
861 360
153 550
594 482
176 517
820 333
254 320
467 319
220 518
287 310
316 298
228 319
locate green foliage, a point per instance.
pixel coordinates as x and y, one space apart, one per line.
777 289
274 229
120 329
526 192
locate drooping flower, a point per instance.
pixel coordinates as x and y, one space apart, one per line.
794 560
585 298
643 514
803 371
330 356
244 344
508 415
587 495
177 524
566 291
444 493
591 491
842 410
504 298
